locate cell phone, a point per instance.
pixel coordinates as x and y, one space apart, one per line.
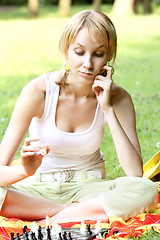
104 73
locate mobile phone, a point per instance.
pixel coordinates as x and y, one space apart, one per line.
104 73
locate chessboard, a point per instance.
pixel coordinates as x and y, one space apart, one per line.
49 233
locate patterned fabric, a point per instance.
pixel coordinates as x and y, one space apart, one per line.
135 226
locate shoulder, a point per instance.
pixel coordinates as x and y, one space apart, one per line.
120 96
122 103
33 95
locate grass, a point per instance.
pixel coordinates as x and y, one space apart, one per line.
29 48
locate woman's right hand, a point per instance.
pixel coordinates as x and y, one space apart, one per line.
31 157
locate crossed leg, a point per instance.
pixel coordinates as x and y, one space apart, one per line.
28 207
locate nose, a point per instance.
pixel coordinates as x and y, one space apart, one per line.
88 63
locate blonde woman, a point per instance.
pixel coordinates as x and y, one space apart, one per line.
66 112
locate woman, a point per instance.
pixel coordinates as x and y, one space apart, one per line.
66 112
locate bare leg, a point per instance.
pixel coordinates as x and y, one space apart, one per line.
24 206
89 209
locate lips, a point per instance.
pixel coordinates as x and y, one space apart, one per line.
86 74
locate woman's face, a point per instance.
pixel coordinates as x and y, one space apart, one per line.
86 56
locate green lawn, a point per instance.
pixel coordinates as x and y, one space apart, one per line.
30 48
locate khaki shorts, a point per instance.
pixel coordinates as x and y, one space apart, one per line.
123 197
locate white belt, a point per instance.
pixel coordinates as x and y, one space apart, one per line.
69 175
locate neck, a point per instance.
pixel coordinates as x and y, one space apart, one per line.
79 89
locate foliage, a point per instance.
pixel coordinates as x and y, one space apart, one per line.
54 2
11 2
29 48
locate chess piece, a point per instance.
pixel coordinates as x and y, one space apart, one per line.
97 227
12 235
40 235
25 228
56 229
25 236
47 222
89 232
83 228
65 236
69 236
33 236
17 238
33 227
59 236
48 233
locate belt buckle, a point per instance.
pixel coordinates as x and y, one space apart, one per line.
67 175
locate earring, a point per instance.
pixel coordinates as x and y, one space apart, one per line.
67 68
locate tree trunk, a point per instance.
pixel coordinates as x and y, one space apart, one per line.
33 6
64 7
147 6
123 7
97 4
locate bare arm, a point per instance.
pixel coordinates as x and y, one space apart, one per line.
122 124
29 104
119 112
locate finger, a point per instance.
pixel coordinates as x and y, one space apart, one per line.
28 141
27 154
109 71
104 84
30 148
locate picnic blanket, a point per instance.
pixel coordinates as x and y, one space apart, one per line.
135 226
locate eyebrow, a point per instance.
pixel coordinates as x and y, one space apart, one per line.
96 47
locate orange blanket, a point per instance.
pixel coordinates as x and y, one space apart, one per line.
118 227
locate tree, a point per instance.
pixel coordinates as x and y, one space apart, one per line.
128 7
33 6
97 4
64 7
123 7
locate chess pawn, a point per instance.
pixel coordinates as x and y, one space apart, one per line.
59 236
65 236
17 238
69 236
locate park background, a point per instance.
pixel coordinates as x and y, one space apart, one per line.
29 36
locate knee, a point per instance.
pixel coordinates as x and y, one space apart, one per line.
3 192
150 192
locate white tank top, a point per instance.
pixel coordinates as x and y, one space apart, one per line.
68 151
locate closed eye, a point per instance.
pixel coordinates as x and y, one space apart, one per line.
79 53
99 54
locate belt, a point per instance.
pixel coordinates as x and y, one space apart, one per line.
70 175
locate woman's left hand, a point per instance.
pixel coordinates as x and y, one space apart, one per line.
102 87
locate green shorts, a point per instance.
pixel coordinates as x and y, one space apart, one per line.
123 197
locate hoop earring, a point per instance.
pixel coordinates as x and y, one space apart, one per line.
67 68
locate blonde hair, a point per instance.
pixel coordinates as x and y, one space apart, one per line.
95 22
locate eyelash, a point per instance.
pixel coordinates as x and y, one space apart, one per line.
96 54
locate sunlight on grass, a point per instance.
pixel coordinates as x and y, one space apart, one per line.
30 47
